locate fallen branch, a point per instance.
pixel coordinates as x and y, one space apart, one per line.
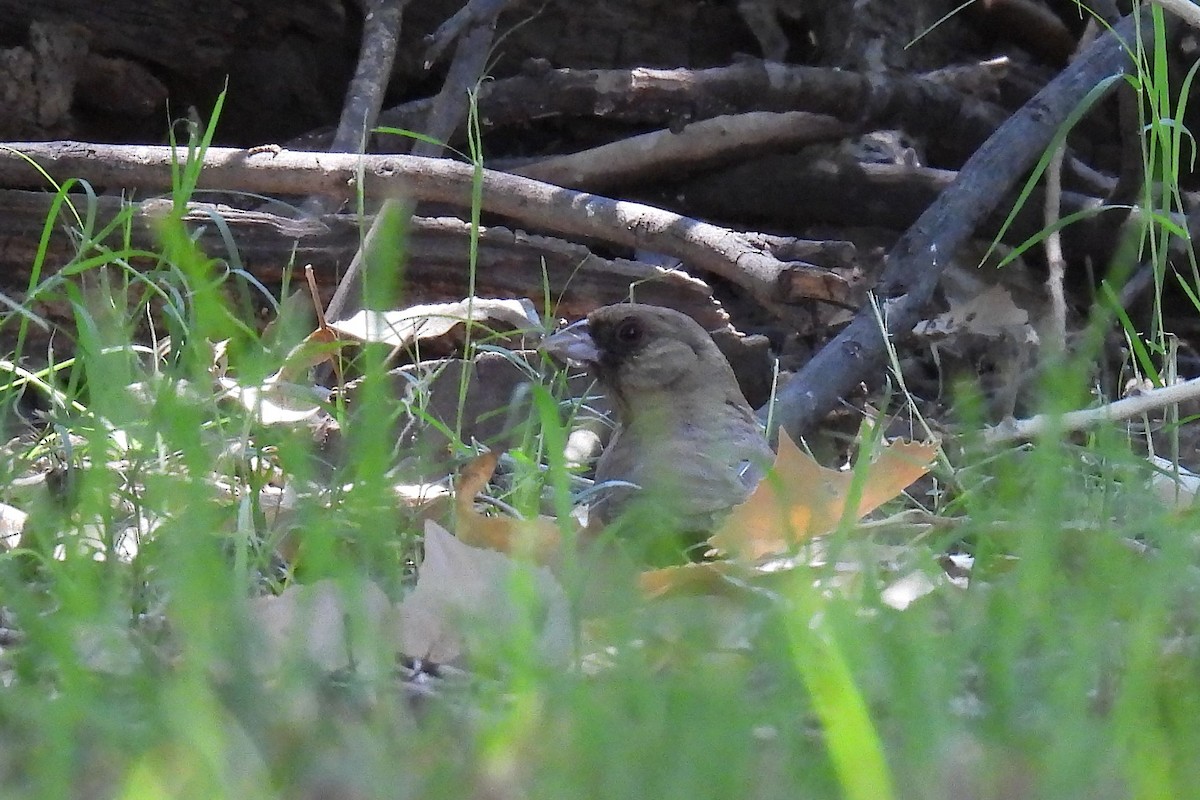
754 262
702 144
916 261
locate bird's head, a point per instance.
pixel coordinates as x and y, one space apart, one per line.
636 351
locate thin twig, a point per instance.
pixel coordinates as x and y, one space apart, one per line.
1083 419
1055 260
315 293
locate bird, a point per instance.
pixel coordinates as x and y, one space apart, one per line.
687 446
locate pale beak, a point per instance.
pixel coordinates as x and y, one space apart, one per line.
572 343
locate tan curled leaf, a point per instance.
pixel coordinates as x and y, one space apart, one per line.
317 348
539 537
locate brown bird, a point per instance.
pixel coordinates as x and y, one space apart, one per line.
686 439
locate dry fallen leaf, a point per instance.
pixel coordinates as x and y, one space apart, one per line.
1175 486
422 322
991 313
709 577
461 589
280 399
12 524
801 499
317 348
276 402
539 538
328 624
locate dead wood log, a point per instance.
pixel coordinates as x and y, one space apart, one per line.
509 263
675 97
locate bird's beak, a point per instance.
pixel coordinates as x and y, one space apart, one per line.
573 343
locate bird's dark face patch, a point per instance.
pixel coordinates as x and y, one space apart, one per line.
640 351
644 349
621 342
619 338
630 331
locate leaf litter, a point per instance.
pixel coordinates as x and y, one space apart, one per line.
465 580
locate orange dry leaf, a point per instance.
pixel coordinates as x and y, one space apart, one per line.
708 577
801 499
538 537
317 348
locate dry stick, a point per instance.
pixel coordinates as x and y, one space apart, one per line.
348 296
381 32
450 106
364 97
448 110
1057 340
476 14
1186 10
916 261
749 260
1153 400
1055 260
709 143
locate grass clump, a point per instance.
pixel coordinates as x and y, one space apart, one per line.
1053 650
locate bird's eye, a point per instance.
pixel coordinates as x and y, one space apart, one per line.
629 332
